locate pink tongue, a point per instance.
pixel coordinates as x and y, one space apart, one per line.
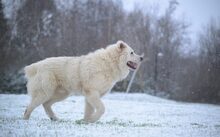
134 65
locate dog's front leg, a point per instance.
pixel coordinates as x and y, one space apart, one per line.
94 100
89 110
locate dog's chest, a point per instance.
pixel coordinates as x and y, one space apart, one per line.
107 88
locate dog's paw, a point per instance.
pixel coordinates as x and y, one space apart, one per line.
54 118
90 120
25 118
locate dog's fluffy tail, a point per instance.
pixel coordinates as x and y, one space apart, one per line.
30 71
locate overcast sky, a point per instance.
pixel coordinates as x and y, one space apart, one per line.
196 12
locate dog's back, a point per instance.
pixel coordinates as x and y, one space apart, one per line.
49 74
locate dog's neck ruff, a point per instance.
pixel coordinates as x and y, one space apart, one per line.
117 68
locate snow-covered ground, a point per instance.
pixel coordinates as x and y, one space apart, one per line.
132 115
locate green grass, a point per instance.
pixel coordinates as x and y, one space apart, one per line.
198 125
116 122
217 126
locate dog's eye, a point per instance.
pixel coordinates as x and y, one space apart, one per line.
132 53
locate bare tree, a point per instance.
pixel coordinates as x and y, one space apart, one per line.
210 61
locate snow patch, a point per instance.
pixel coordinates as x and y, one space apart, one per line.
126 115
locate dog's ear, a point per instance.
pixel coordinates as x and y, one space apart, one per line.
121 45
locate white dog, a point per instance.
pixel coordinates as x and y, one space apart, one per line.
93 75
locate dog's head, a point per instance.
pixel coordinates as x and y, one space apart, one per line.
128 58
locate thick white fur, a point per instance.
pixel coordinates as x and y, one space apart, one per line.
93 75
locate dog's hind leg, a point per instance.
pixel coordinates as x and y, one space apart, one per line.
41 88
35 102
47 107
58 96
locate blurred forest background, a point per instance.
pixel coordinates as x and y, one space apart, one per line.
39 29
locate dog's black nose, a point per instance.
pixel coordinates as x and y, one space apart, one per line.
141 58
